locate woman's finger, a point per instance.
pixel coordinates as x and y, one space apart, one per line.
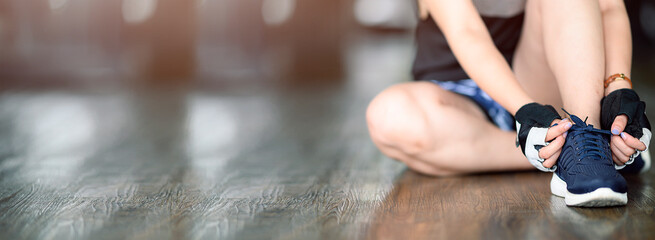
552 148
561 127
619 124
616 161
621 146
633 142
618 154
550 162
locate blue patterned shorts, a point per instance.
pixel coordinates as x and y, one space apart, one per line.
468 88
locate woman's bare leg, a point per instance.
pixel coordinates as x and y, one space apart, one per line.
438 132
618 59
618 38
549 56
569 48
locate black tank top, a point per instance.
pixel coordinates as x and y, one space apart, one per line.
435 61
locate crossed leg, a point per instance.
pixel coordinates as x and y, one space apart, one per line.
437 132
561 63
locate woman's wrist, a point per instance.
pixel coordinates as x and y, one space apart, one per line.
616 85
518 103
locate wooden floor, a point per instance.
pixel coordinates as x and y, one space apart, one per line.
283 165
261 162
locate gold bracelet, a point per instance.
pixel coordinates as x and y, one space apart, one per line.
616 76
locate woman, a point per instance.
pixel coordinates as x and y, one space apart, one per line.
564 54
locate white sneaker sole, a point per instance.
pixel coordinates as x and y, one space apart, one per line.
602 197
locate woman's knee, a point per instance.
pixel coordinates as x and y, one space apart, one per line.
406 122
396 119
433 168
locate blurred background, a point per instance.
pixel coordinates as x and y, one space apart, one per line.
208 43
220 43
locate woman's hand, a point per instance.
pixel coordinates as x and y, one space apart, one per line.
541 134
623 144
556 137
623 113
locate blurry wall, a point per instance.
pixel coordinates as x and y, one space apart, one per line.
96 42
210 42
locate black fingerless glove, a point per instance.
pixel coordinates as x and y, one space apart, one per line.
532 123
626 101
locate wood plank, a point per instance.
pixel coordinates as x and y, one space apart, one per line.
294 167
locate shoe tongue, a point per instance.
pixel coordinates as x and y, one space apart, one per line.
593 142
578 121
590 136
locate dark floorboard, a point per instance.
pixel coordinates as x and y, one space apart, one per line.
298 165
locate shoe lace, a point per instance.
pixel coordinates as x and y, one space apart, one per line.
588 140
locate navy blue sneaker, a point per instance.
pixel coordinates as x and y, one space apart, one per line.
585 174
